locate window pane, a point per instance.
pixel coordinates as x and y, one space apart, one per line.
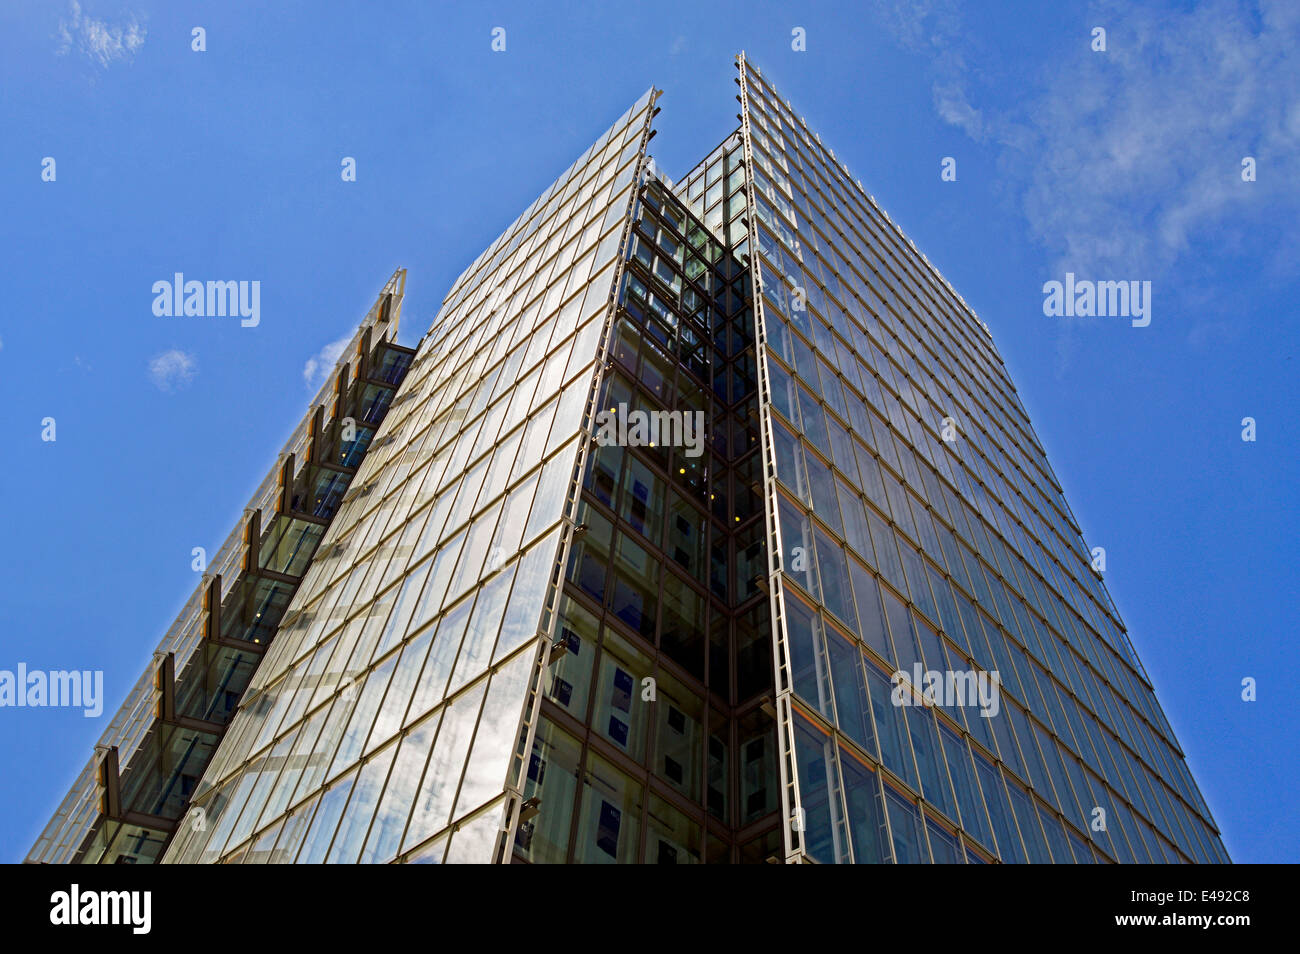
820 807
850 691
552 778
866 813
610 823
895 749
909 842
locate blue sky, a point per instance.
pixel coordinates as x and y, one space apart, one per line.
224 164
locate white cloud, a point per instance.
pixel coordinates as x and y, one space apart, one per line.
321 363
97 39
1135 156
921 24
172 370
954 109
933 28
1126 158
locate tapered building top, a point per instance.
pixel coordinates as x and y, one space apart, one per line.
704 525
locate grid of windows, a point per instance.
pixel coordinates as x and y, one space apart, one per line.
383 722
666 663
920 523
511 625
129 800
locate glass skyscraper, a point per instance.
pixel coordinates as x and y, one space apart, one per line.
704 525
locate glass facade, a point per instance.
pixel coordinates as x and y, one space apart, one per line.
656 703
391 717
915 521
661 548
130 799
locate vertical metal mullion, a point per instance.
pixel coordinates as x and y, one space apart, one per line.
504 850
791 805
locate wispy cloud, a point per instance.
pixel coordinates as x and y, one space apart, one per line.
322 362
1128 157
953 108
99 40
1137 152
934 28
920 25
172 370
